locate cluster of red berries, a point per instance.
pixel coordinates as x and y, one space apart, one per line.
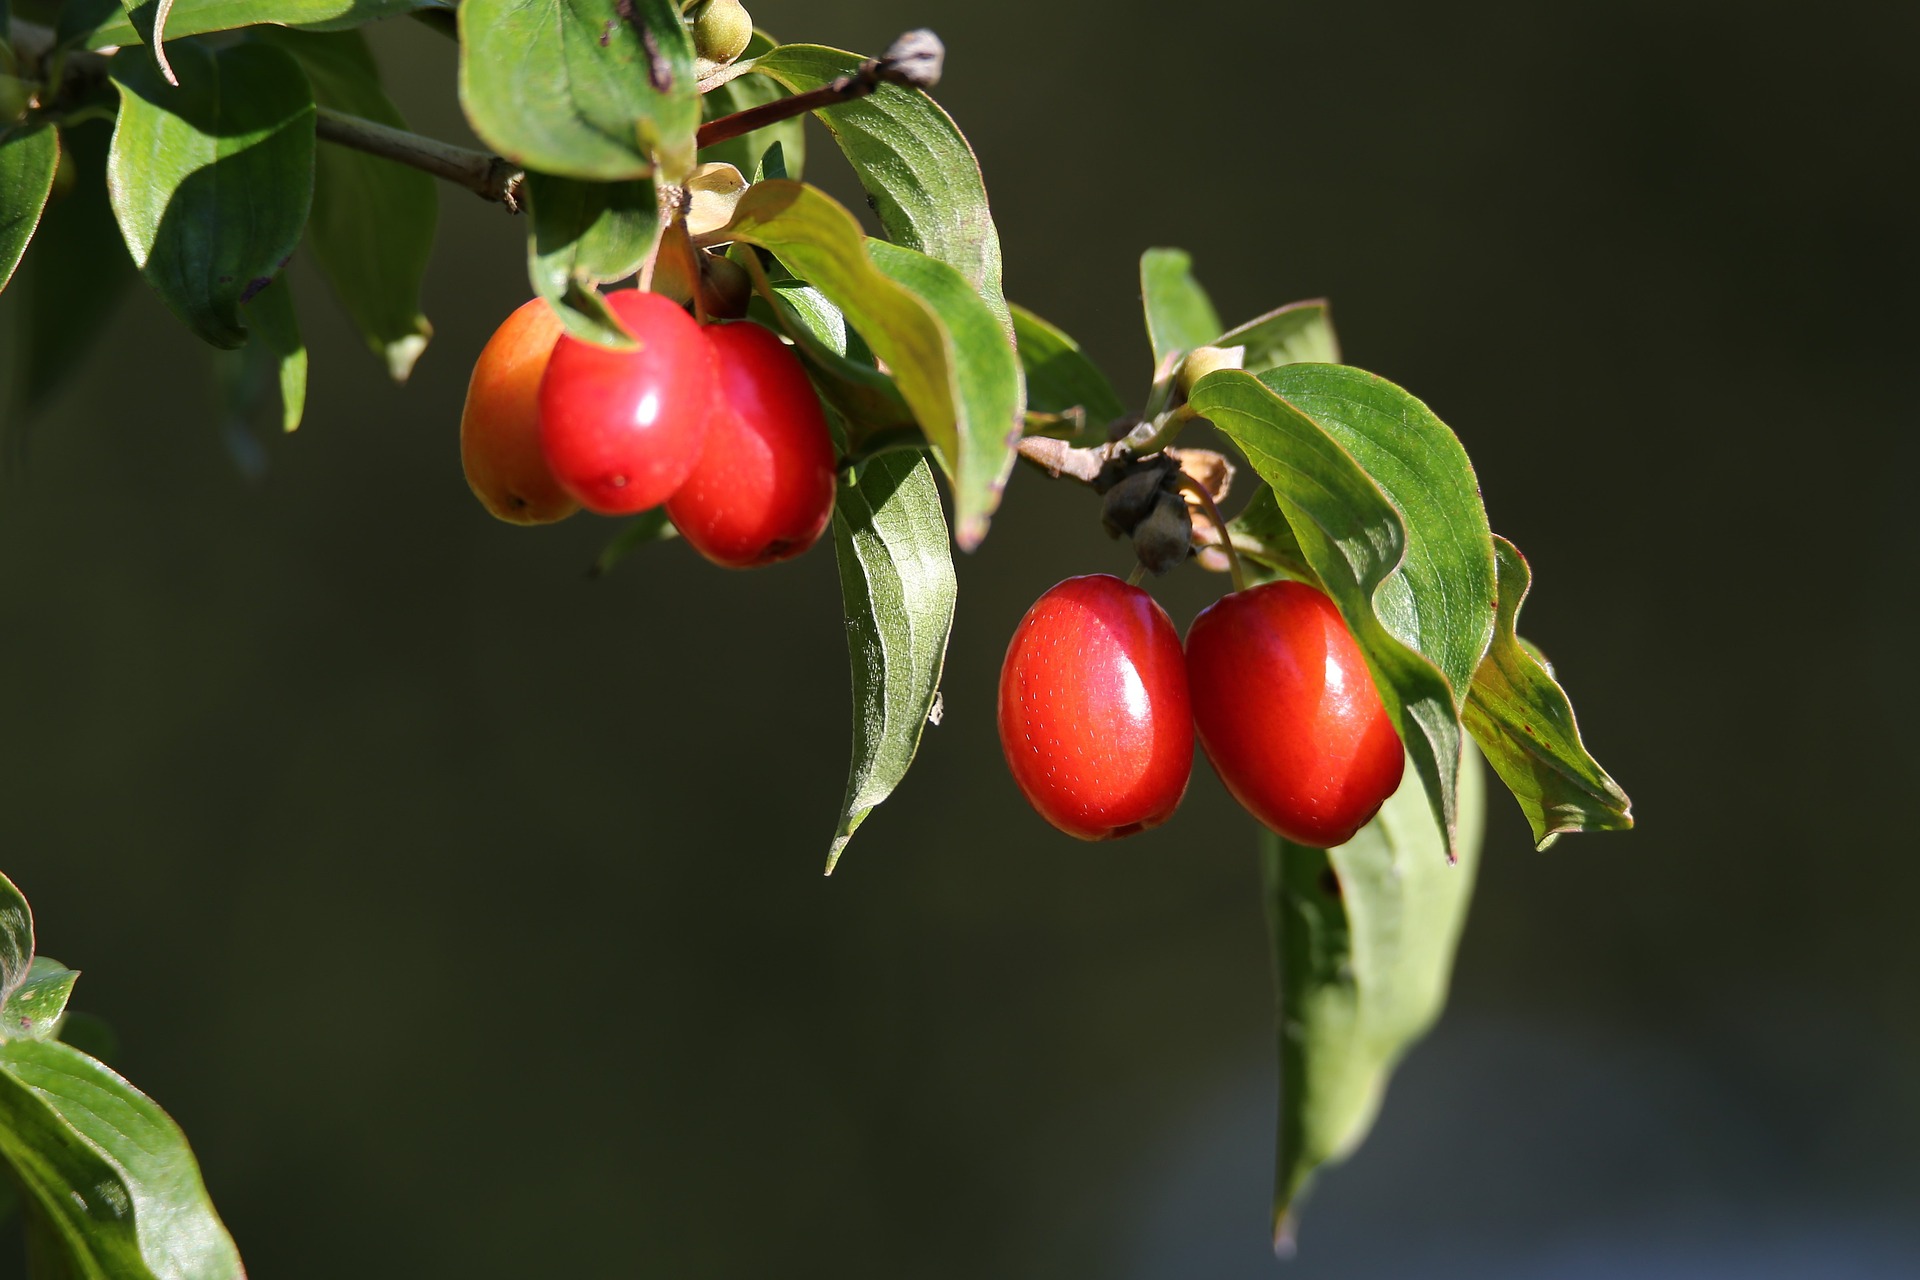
717 421
1099 705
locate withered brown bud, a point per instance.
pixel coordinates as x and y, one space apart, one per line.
1162 540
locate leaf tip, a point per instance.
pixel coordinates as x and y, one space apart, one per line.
403 353
1285 1235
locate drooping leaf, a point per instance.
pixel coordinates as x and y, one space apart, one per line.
1298 333
16 938
919 173
106 1170
1522 719
1384 508
28 159
211 181
589 89
373 221
1363 938
748 151
897 585
276 331
74 274
1062 380
651 527
584 234
34 1010
990 380
1180 316
102 24
962 386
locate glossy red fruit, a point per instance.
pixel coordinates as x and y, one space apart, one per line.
763 489
1093 709
500 424
621 430
1288 714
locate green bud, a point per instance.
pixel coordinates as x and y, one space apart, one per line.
1202 361
722 30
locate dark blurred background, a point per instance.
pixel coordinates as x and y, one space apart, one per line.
467 913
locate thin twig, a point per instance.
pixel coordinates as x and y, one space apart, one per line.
488 176
914 60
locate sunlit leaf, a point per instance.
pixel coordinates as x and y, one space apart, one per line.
1524 722
35 1008
586 89
897 584
919 173
1298 333
106 1170
1385 509
16 937
954 367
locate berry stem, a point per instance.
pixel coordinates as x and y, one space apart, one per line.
1234 566
913 60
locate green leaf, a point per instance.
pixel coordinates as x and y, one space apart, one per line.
584 234
35 1008
652 526
586 89
276 332
990 380
28 158
919 173
1180 316
107 1170
897 584
1061 379
1363 939
747 153
1523 721
212 181
74 275
1298 333
102 24
1385 509
954 368
373 221
16 938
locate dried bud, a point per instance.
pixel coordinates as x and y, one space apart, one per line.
722 29
1131 499
725 287
1162 540
915 59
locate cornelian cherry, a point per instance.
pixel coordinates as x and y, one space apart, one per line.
500 424
621 430
1288 714
763 488
1094 718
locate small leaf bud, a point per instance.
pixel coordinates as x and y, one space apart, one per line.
915 59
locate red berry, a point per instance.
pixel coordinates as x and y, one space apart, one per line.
1093 709
621 430
763 489
1288 714
500 424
